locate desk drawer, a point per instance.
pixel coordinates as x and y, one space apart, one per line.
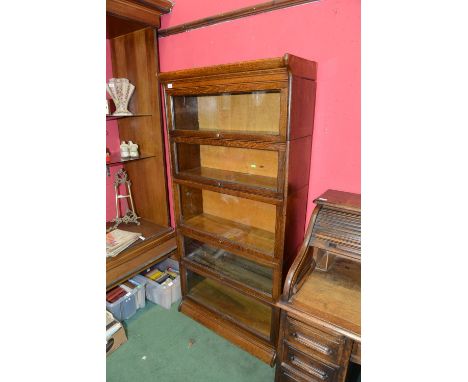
313 368
316 342
286 374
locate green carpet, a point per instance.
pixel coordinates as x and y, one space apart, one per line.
158 349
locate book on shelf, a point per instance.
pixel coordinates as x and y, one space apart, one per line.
118 240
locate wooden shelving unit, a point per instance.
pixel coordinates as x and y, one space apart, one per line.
133 42
241 140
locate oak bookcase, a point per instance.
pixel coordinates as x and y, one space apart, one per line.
241 140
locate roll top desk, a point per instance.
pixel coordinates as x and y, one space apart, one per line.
320 330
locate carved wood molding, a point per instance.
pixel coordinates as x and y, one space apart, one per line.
143 11
232 15
164 6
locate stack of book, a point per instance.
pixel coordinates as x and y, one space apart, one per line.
160 275
118 240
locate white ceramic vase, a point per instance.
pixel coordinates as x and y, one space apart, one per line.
120 89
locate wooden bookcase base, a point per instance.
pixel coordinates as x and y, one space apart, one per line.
238 336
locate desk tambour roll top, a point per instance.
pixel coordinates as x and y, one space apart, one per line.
337 228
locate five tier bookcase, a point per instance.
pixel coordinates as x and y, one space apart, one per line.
240 142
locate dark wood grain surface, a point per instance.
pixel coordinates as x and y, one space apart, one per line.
343 200
260 70
145 12
232 15
134 56
251 343
239 187
250 313
321 308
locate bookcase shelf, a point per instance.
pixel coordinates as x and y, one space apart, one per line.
114 117
203 174
245 235
229 266
116 159
246 311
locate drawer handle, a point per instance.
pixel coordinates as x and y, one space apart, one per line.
309 368
289 375
314 345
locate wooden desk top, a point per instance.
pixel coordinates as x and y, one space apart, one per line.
333 296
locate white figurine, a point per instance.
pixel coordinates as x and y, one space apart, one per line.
133 147
124 150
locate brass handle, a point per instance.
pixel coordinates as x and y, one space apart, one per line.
315 345
309 368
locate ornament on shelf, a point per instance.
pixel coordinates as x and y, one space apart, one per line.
133 148
121 177
124 150
120 89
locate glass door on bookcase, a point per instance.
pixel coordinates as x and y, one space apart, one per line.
251 169
255 112
246 223
243 310
254 276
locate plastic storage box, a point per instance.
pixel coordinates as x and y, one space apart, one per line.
141 280
125 307
163 294
159 294
176 291
140 292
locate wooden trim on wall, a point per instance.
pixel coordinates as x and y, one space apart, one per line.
232 15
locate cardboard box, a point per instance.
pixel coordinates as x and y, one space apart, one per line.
115 335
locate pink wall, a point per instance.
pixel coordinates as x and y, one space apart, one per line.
113 144
327 32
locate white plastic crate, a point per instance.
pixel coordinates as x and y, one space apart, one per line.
176 290
159 294
125 307
163 294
